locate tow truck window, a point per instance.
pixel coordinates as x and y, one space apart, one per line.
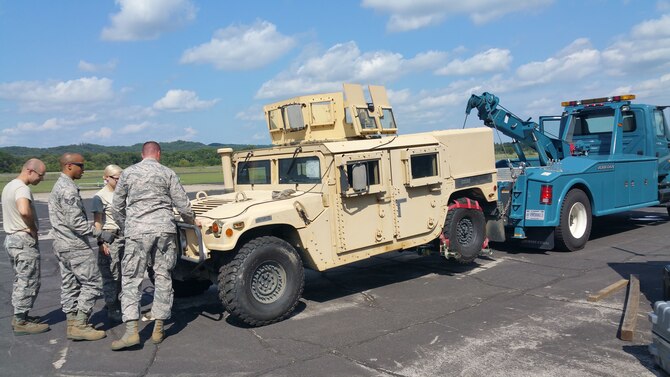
660 126
300 170
592 122
253 172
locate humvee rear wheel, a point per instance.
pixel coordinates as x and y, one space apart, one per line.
263 282
575 223
466 229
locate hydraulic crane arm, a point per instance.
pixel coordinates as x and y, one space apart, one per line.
525 132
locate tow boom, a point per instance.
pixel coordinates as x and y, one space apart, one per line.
525 132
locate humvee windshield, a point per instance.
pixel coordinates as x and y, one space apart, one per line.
299 170
254 172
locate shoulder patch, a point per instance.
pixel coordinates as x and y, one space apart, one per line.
70 201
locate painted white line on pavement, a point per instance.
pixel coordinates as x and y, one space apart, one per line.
486 266
63 355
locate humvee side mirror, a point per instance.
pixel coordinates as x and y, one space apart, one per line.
359 177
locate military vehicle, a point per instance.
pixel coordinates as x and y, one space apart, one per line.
339 185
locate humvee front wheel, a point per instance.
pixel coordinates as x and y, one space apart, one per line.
465 228
263 282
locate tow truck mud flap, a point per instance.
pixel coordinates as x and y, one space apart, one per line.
191 247
539 238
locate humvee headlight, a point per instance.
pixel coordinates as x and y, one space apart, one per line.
216 227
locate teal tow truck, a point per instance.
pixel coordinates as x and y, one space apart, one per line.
610 155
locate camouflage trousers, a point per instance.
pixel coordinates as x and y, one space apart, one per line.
159 251
24 255
110 269
81 282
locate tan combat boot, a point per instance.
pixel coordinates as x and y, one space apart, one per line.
158 334
129 339
23 326
82 330
71 320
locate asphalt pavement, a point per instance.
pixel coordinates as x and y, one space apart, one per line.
520 312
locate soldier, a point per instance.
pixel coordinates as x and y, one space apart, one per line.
143 206
81 281
19 221
109 257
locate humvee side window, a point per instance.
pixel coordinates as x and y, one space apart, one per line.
424 165
275 120
300 170
421 166
294 118
372 168
253 172
367 122
387 119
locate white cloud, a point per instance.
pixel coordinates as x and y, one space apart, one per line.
414 14
647 49
344 62
658 28
147 19
241 47
51 124
253 113
492 60
102 133
134 128
574 62
178 100
38 96
92 67
189 134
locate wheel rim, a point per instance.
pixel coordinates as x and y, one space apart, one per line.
465 231
268 282
577 220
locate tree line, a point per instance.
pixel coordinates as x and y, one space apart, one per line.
174 154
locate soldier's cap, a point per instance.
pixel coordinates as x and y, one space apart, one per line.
112 170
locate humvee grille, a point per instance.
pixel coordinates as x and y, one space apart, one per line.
202 206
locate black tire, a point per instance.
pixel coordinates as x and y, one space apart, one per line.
263 282
574 227
184 288
466 229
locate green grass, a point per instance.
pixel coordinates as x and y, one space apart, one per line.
92 179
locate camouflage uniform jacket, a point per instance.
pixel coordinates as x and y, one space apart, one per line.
144 199
68 215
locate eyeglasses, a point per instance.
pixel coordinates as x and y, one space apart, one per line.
114 178
80 164
36 172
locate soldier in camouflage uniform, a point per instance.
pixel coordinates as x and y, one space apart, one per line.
19 221
143 206
109 257
81 281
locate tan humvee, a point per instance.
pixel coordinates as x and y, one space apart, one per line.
339 185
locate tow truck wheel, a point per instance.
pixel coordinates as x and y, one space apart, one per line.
466 229
263 282
575 224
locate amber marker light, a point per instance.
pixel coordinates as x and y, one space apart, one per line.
229 232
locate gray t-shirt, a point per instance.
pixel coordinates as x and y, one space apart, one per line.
12 221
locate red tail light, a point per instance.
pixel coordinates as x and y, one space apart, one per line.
546 194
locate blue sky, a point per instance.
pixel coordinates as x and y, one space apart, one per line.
126 71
